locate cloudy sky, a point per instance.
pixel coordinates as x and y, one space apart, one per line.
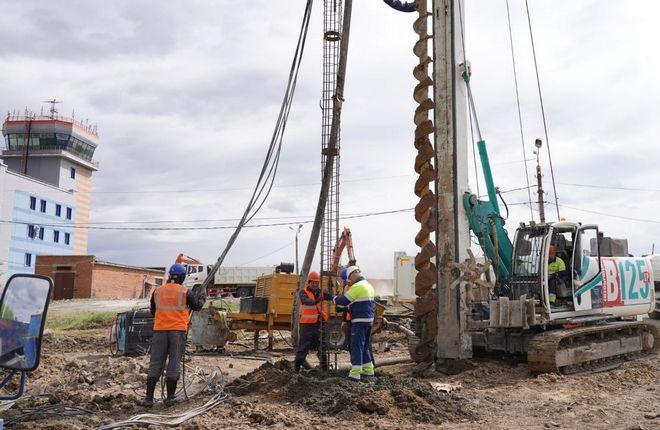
185 95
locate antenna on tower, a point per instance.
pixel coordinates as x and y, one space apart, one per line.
53 110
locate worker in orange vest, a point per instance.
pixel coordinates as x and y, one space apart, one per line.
310 316
170 304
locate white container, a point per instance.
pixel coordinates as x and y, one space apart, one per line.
404 277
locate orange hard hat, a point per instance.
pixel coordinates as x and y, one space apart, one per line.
313 276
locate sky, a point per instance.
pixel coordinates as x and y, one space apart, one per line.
186 94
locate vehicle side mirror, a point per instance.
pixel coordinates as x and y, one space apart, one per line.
23 308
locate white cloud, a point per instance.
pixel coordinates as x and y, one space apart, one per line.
186 95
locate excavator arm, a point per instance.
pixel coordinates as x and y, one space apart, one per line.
185 259
345 241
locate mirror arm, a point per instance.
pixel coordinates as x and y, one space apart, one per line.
21 385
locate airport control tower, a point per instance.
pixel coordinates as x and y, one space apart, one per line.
48 164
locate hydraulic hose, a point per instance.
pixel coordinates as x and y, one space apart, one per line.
401 6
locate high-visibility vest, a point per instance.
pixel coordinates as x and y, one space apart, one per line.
171 307
309 314
556 266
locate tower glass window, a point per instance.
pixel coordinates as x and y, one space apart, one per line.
73 173
41 233
33 203
28 259
58 210
43 206
56 236
30 231
67 238
69 213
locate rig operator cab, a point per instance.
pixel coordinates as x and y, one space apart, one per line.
588 284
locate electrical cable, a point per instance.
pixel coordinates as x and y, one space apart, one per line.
545 125
610 187
365 215
267 255
215 382
48 411
645 220
270 165
520 121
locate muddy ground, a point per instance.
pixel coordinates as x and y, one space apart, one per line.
78 371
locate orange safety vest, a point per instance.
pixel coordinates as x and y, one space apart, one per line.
171 307
309 314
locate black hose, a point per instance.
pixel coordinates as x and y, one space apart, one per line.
401 6
505 205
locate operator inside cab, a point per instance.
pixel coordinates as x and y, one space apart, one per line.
555 266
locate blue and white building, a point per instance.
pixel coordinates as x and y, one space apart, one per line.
45 179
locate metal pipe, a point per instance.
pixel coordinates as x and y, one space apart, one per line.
403 329
384 362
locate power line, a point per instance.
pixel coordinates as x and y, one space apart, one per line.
651 221
365 215
545 125
267 255
610 187
520 121
200 190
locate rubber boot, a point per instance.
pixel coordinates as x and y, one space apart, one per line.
151 387
171 390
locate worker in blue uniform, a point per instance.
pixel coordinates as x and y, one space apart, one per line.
360 299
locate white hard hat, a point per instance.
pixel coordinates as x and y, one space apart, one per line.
350 270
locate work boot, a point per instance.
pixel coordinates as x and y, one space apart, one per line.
149 398
355 372
171 390
368 369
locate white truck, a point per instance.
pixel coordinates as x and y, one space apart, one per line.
229 281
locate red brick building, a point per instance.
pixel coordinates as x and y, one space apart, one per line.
86 277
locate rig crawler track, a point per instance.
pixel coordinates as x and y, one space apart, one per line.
593 348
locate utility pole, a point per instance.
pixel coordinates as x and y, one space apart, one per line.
453 339
296 230
539 180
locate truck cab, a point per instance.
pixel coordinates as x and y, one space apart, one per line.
195 275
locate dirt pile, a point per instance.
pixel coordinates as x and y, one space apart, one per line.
395 397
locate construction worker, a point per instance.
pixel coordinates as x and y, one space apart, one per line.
309 322
555 266
346 315
170 305
362 307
